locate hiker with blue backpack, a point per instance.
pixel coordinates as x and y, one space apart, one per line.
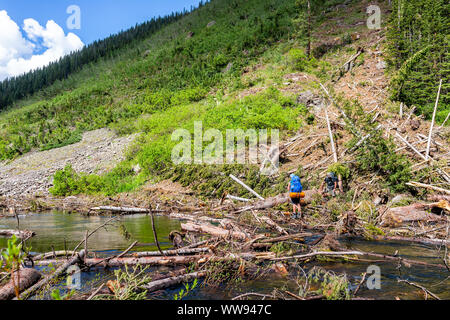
295 193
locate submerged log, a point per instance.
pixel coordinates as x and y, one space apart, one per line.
147 261
21 234
169 252
26 278
132 261
171 281
414 212
212 230
32 290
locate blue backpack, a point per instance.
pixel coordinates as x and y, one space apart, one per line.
296 185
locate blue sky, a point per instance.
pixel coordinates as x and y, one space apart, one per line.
99 18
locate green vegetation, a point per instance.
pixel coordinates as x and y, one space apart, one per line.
186 290
332 286
176 69
418 48
13 257
376 154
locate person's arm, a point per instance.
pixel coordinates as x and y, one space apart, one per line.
289 186
321 187
335 186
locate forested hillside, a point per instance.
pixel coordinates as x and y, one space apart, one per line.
176 65
20 87
418 48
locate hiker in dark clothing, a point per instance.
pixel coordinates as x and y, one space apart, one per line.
330 182
295 194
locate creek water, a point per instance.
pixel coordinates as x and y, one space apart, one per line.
58 231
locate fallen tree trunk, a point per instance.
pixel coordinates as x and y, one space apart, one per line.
171 281
21 234
53 254
297 236
359 253
215 231
237 198
121 209
169 252
147 261
192 217
27 277
32 290
270 223
414 212
246 187
427 186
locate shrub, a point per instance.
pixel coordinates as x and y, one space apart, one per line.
298 59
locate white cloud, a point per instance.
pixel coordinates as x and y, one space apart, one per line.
17 53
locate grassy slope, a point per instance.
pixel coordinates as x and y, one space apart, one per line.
113 91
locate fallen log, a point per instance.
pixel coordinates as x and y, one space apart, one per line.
21 234
26 278
427 186
171 281
215 231
131 261
168 252
53 254
193 218
358 253
270 223
147 261
412 213
246 187
297 236
121 209
32 290
237 198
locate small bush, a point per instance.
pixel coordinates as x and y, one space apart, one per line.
298 59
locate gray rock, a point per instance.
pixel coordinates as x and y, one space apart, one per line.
381 65
310 99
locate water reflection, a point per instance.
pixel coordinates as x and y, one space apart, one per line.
61 230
